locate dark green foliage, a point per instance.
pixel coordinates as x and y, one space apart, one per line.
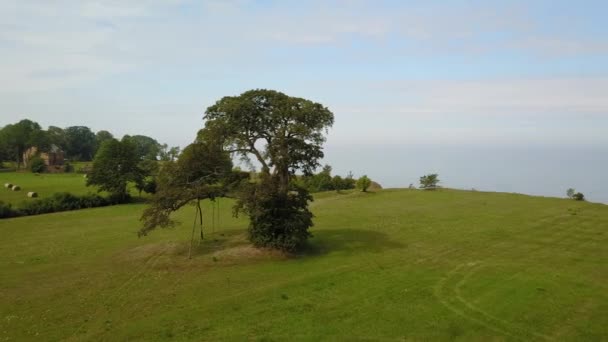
80 143
68 168
6 210
114 166
578 196
37 165
323 181
363 183
145 147
429 182
17 138
202 171
101 137
277 220
62 201
150 186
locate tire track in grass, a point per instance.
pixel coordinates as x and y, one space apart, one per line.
147 265
443 294
509 325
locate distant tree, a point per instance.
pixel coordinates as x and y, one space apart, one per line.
100 137
145 147
363 183
19 137
57 137
114 166
80 143
578 196
168 154
570 193
429 181
349 181
323 181
337 183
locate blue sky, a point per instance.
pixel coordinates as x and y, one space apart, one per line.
393 72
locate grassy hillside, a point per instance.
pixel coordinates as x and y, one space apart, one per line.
382 266
44 184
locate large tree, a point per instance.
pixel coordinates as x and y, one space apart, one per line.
57 137
114 166
80 143
145 147
284 134
18 137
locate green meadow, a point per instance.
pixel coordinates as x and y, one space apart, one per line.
388 265
45 184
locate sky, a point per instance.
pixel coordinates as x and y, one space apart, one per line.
440 73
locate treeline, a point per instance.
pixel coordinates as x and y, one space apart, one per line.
324 181
79 143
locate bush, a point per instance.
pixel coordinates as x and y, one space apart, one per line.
429 181
276 220
37 165
363 183
62 201
578 196
6 210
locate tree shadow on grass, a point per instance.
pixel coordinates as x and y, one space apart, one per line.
349 241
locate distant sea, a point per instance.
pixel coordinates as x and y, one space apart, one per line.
533 170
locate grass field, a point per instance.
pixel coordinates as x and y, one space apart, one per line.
390 265
45 185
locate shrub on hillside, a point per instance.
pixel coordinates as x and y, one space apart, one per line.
363 183
578 196
37 165
6 210
429 182
62 201
276 220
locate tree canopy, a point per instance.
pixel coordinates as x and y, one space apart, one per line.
17 138
282 133
80 143
114 166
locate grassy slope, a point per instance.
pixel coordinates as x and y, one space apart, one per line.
45 185
386 265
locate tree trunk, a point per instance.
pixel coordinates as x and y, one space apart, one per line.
200 216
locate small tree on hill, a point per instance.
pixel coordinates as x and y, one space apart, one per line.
114 166
429 181
570 193
363 183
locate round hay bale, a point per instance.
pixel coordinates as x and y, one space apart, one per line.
32 194
8 185
375 186
16 188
